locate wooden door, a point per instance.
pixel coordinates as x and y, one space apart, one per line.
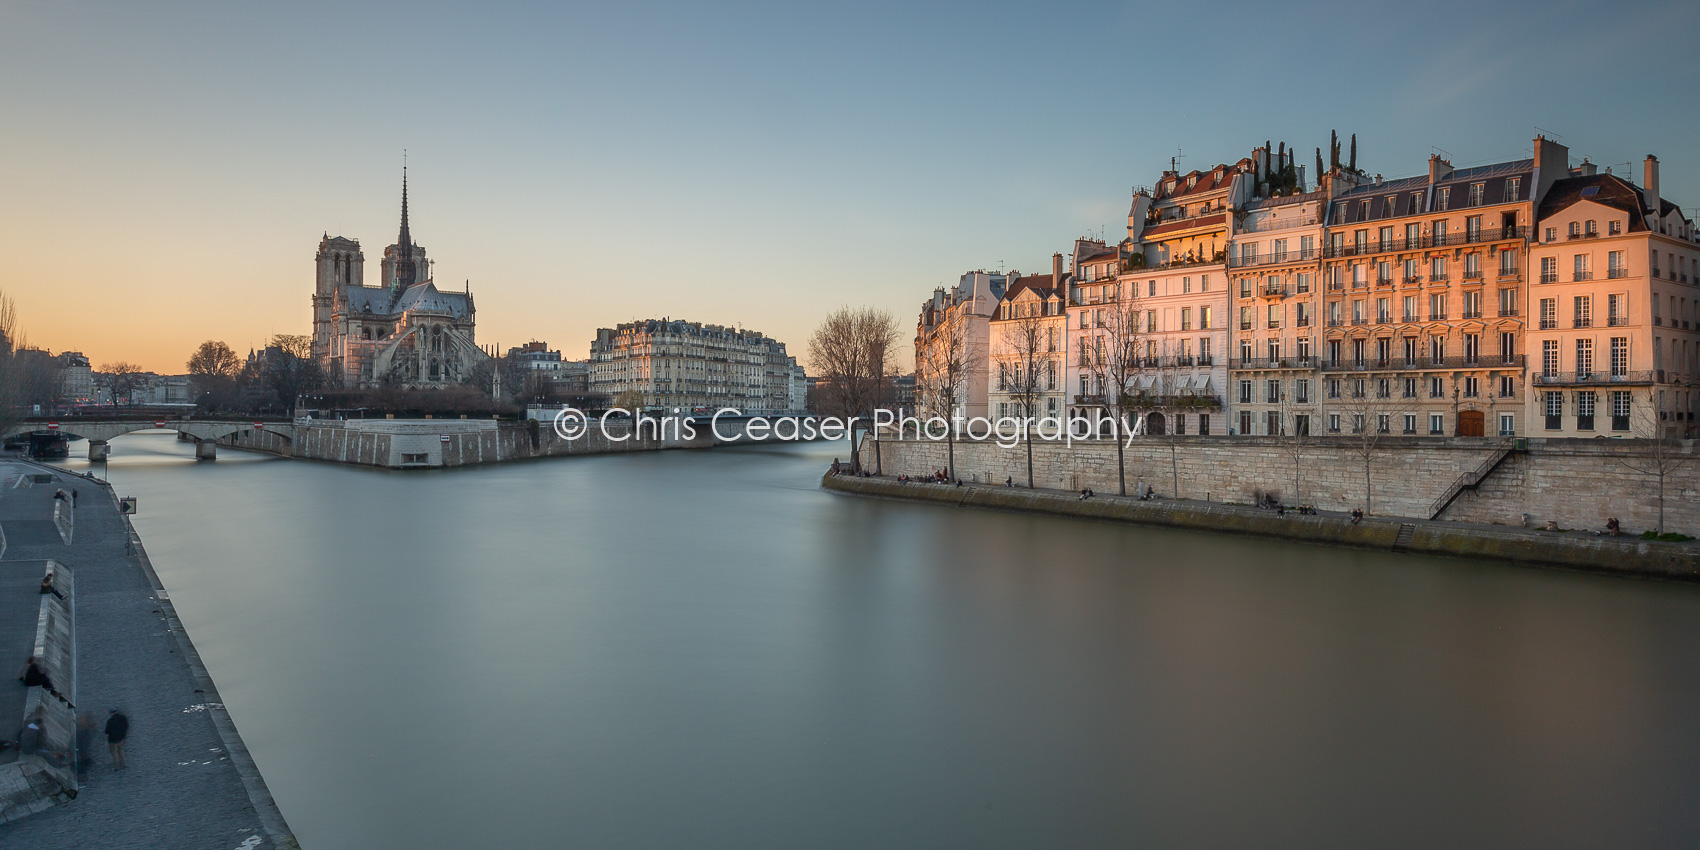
1472 423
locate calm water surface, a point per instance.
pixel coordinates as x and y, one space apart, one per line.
703 649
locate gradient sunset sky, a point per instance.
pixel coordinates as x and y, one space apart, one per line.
167 169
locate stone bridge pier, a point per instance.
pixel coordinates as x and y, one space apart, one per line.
98 450
206 450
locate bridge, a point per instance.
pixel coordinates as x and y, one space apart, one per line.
101 430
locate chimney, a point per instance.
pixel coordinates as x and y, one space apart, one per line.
1056 270
1586 169
1650 184
1552 164
1438 169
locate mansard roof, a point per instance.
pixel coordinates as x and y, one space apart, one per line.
1181 185
1607 190
1411 196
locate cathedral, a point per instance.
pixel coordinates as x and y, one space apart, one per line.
403 332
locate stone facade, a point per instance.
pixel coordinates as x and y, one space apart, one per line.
1406 476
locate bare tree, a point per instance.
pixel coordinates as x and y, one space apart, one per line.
852 349
289 369
121 380
945 361
1370 421
1023 340
11 390
1113 359
1292 438
1662 455
213 369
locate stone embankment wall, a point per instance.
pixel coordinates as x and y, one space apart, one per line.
1601 554
425 444
45 775
1576 482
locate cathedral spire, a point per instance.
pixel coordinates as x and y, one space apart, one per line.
406 272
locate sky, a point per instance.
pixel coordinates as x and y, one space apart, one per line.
167 169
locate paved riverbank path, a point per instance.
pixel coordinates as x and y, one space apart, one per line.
190 782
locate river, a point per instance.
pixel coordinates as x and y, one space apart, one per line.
703 649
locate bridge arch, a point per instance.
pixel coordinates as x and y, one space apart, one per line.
100 432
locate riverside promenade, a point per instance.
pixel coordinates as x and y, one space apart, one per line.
190 781
1579 550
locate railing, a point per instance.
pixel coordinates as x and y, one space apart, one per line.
1495 361
1582 323
1272 363
1273 258
1334 321
1472 479
1470 314
1614 274
1360 320
1278 291
1583 275
1593 235
1584 379
1505 312
1287 224
1549 324
1302 322
1437 316
1499 234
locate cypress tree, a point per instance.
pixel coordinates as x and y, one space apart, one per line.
1319 163
1354 151
1333 149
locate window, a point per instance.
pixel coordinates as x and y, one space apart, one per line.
1204 318
1436 387
1512 186
1590 229
1246 319
1507 263
1186 318
1614 265
1620 410
1437 269
1410 423
1410 388
1507 425
1437 306
1384 388
1582 269
1410 311
1441 201
1552 234
1549 313
1301 391
1476 192
1204 283
1584 317
1186 285
1585 411
1472 265
1301 314
1357 423
1549 270
1302 281
1245 287
1272 392
1549 357
1436 423
1333 423
1472 386
1245 392
1472 305
1507 346
1385 237
1508 302
1554 406
1507 386
1614 227
1473 227
1575 229
1150 321
1619 356
1334 388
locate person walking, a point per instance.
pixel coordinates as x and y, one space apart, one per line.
73 497
117 729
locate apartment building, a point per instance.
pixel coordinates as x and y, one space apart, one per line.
1029 348
672 363
1275 279
1425 280
1615 332
952 344
1173 269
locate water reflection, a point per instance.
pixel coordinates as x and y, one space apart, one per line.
703 649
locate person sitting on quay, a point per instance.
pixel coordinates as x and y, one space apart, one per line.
1612 526
47 586
1150 492
34 676
1357 515
1085 493
1009 481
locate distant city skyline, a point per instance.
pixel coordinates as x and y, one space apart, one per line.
170 170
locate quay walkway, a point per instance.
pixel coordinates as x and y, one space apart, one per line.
190 781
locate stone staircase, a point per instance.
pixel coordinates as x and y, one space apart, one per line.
1474 478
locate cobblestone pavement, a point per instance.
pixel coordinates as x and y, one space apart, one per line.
182 789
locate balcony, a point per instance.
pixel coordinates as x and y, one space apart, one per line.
1549 277
1334 321
1437 317
1507 312
1302 322
1472 277
1471 314
1582 322
1272 363
1616 321
1614 274
1413 280
1402 364
1273 258
1592 379
1384 281
1497 234
1549 324
1275 291
1359 320
1581 276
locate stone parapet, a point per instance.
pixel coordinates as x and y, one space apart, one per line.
44 773
1615 555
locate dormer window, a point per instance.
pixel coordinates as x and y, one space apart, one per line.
1614 227
1441 202
1512 186
1192 181
1476 193
1416 202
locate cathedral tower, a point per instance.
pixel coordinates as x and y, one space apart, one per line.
338 265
